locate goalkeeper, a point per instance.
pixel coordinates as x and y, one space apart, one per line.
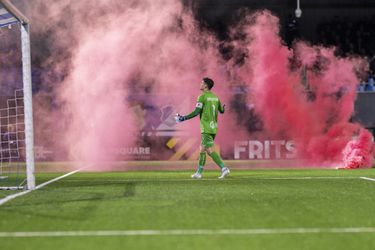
207 107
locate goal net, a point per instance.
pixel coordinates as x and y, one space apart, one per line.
12 142
16 123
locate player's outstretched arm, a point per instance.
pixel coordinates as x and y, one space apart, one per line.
197 111
193 114
181 118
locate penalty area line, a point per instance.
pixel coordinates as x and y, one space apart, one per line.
13 196
255 231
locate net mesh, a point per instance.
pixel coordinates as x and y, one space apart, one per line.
12 142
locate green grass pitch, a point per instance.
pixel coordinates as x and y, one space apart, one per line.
170 200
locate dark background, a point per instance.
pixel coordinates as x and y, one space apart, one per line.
322 22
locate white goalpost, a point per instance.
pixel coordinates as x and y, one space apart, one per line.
17 143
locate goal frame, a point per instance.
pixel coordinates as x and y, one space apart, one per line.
27 90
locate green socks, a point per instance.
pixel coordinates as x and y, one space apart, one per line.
202 162
217 159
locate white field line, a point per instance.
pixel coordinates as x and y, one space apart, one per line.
256 231
57 178
13 196
308 178
368 179
237 178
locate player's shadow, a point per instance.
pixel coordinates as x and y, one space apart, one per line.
86 204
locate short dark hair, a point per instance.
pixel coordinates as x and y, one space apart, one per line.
209 82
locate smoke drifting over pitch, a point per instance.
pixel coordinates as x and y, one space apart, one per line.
111 51
317 116
101 53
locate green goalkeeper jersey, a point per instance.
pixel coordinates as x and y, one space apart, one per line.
209 104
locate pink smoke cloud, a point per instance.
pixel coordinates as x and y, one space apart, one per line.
358 152
151 47
111 50
319 125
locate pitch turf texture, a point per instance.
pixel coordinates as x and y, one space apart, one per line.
265 203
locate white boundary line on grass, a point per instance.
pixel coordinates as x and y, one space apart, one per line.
308 178
211 178
255 231
13 196
367 179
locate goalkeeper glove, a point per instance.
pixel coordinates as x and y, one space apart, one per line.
179 118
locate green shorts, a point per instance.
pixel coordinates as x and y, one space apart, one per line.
207 140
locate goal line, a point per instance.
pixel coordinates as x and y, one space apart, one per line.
13 196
